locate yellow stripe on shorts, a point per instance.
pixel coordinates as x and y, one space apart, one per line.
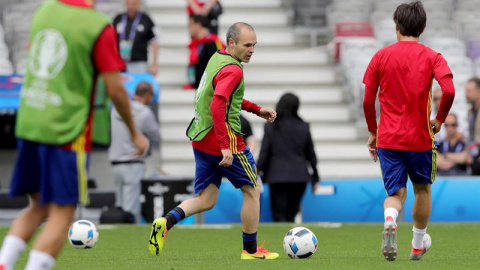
247 167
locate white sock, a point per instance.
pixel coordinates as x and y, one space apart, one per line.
391 212
417 242
39 261
12 247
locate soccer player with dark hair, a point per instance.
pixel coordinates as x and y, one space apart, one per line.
218 145
403 141
71 43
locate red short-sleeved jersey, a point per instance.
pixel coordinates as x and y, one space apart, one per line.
404 71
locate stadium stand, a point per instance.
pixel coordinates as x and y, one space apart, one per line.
452 29
285 30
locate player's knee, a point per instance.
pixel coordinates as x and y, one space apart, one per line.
252 193
37 209
421 188
208 203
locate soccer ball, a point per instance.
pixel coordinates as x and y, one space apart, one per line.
83 234
300 243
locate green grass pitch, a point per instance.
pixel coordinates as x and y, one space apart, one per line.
349 246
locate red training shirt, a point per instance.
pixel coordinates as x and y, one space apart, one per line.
404 71
218 137
106 58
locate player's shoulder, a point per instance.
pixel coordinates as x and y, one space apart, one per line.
429 50
118 18
233 69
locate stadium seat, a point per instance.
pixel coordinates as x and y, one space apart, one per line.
470 29
447 46
347 30
385 32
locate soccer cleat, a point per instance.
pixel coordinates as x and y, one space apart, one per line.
416 254
389 242
261 254
159 228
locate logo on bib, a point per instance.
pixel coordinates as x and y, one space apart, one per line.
48 54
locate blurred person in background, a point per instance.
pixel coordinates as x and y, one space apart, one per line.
211 9
69 39
472 89
286 156
452 156
129 168
136 31
203 45
436 97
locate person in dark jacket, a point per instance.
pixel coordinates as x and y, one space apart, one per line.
286 154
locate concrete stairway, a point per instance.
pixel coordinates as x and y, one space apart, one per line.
282 62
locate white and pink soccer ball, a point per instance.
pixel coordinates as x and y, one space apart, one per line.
300 243
83 234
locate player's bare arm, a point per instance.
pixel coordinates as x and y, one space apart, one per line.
119 97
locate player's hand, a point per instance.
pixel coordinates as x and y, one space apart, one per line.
372 146
141 143
268 114
153 69
436 125
227 158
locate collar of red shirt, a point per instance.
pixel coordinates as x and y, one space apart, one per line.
78 3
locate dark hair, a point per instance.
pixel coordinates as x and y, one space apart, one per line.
411 19
204 21
288 106
233 31
476 81
143 88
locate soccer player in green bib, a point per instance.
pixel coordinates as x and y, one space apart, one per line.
71 43
218 146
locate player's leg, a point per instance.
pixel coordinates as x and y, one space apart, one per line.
242 174
25 180
394 173
393 204
207 182
50 241
63 185
21 231
250 213
422 169
422 207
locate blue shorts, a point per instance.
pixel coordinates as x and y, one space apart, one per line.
207 171
398 165
58 175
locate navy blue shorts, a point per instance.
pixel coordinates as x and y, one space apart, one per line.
207 171
59 175
398 165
